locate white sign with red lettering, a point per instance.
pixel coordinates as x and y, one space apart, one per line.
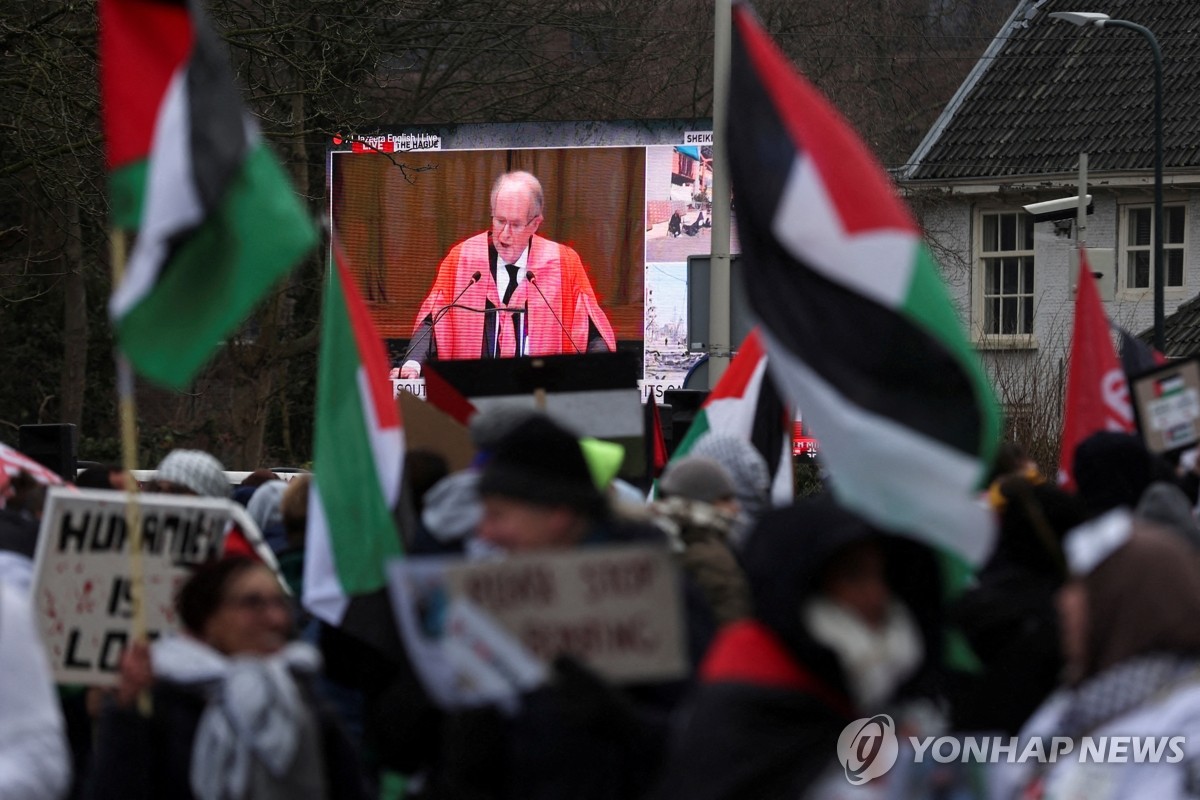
82 590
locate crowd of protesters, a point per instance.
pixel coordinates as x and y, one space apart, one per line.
1084 620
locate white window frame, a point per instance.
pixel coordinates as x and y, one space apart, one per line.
981 297
1127 292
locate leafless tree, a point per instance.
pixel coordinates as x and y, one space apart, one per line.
316 68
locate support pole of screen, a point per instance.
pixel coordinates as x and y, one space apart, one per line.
719 340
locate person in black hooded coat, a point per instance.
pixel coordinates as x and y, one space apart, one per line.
1008 616
765 721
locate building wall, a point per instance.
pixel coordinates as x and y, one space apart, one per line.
1030 382
949 225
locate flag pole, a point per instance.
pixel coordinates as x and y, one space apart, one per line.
133 511
720 342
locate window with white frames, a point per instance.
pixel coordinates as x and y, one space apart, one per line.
1137 246
1005 278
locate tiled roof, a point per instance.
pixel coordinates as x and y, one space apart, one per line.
1181 331
1047 90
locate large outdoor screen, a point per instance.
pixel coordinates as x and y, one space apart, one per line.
623 206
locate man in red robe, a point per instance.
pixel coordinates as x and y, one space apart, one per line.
509 292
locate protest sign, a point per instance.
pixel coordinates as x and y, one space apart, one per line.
82 583
1166 401
428 428
477 631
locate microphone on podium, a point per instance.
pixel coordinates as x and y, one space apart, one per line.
441 312
531 278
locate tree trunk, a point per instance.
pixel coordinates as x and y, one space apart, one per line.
75 329
251 402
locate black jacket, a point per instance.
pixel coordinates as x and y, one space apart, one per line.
578 738
765 720
149 758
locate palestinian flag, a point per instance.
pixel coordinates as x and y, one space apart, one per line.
859 327
357 464
744 403
218 222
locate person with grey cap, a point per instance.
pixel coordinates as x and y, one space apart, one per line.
697 509
700 478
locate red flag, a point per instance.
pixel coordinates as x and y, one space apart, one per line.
1097 393
656 443
444 397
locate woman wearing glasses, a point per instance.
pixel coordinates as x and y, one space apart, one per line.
232 712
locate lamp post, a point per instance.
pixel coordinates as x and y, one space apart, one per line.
1101 21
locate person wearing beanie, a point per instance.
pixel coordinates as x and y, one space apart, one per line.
697 509
1113 469
538 491
488 427
1166 504
847 623
578 735
699 478
191 472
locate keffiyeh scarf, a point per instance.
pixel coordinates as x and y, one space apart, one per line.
254 711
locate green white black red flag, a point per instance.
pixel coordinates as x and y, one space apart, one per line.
218 223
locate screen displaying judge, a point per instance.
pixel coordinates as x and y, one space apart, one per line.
509 292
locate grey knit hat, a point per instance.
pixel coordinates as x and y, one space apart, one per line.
697 478
1166 503
195 469
745 466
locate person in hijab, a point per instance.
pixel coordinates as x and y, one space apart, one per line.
232 711
847 622
1132 651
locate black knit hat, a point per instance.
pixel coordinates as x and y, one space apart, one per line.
1113 469
541 463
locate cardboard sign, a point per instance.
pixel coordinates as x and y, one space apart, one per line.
82 585
427 427
1167 404
617 609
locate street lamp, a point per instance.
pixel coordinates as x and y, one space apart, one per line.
1100 21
